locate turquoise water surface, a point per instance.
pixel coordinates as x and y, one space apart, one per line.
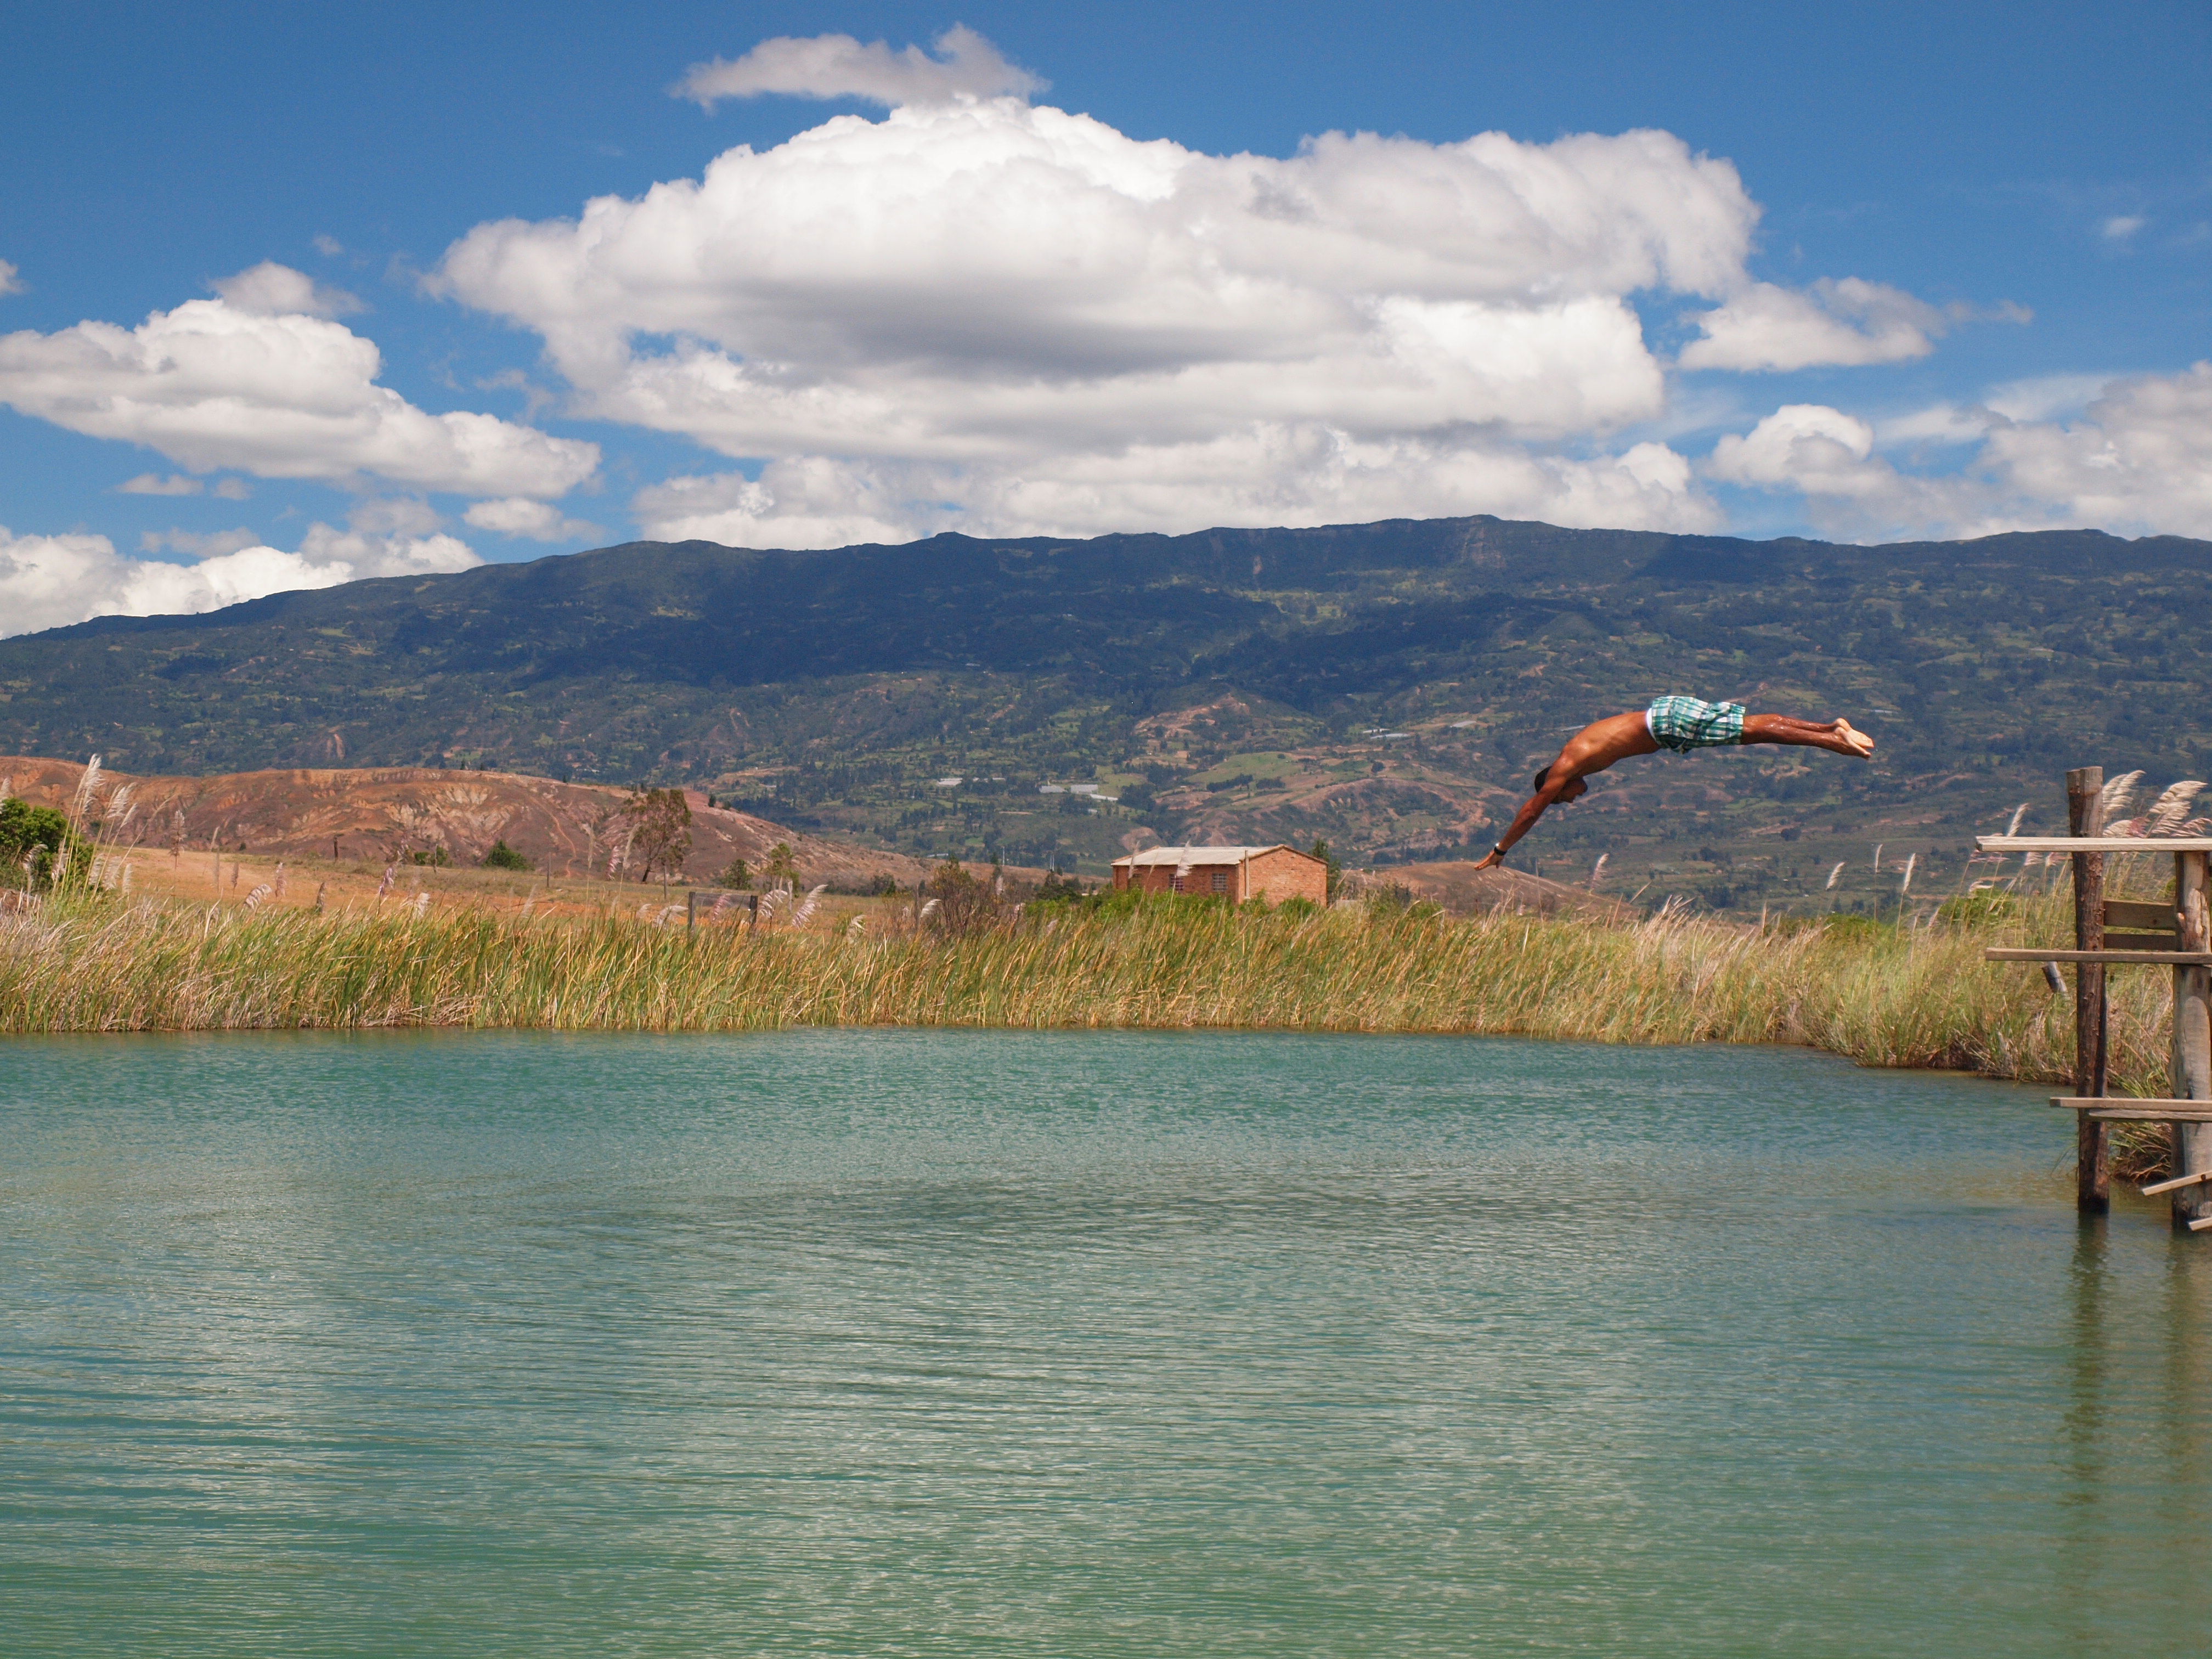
888 1342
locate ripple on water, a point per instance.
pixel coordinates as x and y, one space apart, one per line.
890 1342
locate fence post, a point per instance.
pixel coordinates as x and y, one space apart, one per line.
691 912
2192 1036
2085 816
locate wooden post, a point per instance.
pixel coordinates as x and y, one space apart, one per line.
691 913
2085 816
2193 1037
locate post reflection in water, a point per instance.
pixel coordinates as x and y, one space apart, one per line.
2137 1527
2185 1457
2078 1562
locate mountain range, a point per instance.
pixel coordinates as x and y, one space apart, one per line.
1388 687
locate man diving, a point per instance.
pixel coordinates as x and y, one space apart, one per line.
1680 724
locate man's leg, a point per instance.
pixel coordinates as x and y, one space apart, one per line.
1839 737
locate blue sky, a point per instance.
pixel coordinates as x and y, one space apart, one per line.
1958 256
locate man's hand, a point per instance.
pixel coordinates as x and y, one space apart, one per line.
1492 860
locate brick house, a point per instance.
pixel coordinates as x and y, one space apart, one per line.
1237 874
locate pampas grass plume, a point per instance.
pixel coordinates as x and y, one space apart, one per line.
2118 795
89 781
2167 812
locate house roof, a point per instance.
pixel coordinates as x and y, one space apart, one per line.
1178 856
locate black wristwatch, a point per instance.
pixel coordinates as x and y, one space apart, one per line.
1496 851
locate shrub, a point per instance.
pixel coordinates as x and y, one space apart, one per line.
735 876
33 839
1056 887
436 856
503 857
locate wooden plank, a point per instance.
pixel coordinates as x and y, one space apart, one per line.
2093 843
2156 958
2154 1103
2154 914
2177 1183
2200 1223
2105 1109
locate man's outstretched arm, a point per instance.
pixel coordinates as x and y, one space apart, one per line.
1525 819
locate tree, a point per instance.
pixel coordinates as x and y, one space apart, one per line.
503 857
782 869
965 904
735 876
660 830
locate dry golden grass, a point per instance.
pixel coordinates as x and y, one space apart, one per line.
1884 996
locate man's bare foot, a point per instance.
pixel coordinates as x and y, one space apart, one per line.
1861 745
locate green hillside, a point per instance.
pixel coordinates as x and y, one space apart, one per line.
1388 686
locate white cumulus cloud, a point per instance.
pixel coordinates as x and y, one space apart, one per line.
200 545
153 483
11 280
1847 323
286 394
1008 317
50 581
2136 459
2139 456
1267 474
270 289
518 515
838 66
1807 445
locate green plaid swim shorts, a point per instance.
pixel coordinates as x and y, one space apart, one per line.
1682 724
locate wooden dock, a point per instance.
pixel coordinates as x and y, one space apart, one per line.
2175 934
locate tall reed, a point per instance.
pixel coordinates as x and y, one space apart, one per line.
1884 996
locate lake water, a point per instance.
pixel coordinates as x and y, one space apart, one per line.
883 1342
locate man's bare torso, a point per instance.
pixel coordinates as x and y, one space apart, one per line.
1601 742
